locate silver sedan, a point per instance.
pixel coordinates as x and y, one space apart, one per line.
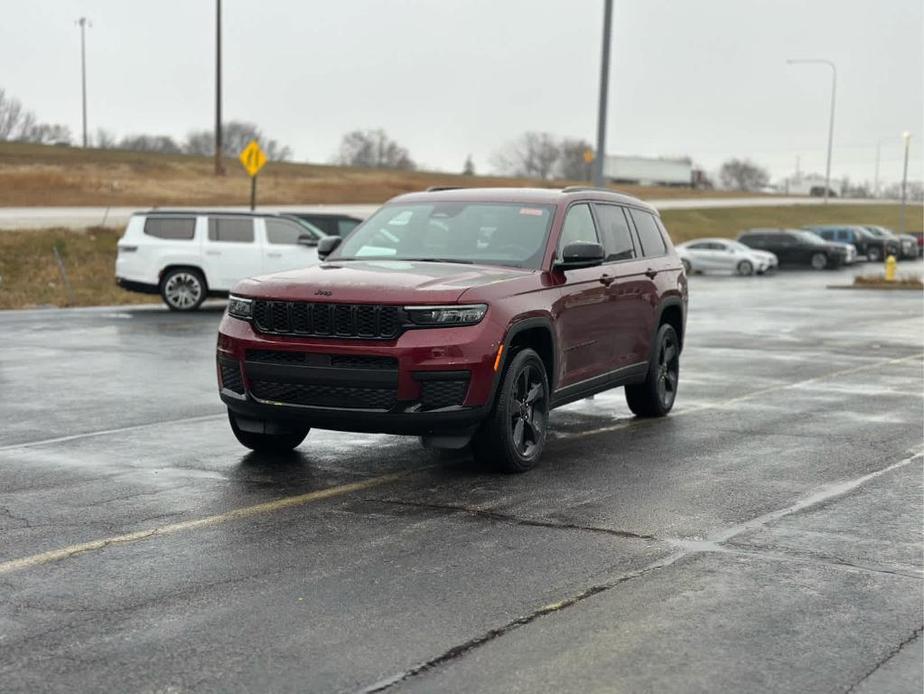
724 255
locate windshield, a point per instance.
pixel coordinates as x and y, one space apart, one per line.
484 233
740 247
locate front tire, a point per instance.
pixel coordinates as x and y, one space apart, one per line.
873 254
819 261
745 268
513 436
268 443
655 396
183 289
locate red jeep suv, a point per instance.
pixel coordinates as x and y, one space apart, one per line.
460 315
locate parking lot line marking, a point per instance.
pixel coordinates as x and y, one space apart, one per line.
53 555
106 432
700 407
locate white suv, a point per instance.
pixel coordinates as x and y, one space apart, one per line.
187 256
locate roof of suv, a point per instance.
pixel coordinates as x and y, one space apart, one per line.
537 196
223 213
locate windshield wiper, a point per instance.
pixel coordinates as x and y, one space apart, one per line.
439 260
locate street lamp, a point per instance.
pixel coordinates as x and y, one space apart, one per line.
219 167
794 61
906 136
604 84
876 177
83 22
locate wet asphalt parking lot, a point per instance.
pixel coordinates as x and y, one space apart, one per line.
767 536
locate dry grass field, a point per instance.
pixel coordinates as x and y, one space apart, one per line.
43 175
29 275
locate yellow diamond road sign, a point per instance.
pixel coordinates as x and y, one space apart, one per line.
588 155
253 158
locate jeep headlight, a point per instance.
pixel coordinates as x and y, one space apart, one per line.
240 307
446 315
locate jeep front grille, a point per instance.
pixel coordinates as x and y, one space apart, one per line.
301 318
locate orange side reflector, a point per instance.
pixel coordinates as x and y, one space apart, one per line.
500 350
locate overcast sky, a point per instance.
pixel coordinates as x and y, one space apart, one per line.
446 78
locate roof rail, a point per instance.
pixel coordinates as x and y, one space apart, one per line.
436 189
581 189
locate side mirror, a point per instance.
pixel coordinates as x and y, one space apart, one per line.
580 254
327 245
306 240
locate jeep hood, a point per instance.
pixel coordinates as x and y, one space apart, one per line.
377 281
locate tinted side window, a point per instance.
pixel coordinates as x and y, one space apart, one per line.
345 226
614 230
649 234
279 231
578 226
232 229
174 228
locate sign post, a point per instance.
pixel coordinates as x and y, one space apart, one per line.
253 159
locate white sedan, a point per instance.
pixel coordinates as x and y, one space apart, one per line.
724 255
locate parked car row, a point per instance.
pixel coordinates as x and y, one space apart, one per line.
820 246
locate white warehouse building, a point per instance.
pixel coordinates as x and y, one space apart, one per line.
647 171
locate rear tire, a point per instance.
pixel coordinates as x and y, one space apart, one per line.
183 289
819 261
268 443
745 268
873 254
513 436
655 396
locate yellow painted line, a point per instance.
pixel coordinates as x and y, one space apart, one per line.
237 514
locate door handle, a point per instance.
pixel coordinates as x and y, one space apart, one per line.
213 252
607 280
650 273
274 255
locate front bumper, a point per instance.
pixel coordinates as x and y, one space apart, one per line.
425 381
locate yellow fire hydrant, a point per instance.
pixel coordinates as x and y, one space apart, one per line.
890 268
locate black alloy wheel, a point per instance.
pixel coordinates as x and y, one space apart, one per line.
655 396
513 436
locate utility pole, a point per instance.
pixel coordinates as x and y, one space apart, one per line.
219 169
906 136
876 176
604 87
83 22
831 123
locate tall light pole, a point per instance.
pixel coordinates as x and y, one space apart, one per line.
906 136
219 169
878 159
604 88
793 61
83 22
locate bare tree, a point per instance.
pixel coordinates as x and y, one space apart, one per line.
743 174
11 116
533 154
571 163
17 123
469 168
104 139
235 136
48 134
372 149
162 144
